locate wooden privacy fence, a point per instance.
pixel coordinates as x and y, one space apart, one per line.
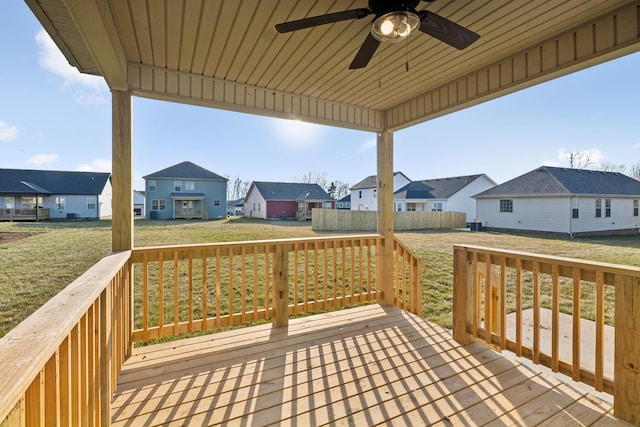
346 220
60 366
184 289
490 283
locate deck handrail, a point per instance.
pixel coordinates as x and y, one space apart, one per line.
232 283
60 365
486 280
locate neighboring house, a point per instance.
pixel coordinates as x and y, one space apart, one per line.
55 194
185 191
453 194
563 200
364 195
284 200
235 207
344 203
138 202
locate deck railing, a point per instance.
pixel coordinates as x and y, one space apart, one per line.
184 289
60 366
23 214
492 284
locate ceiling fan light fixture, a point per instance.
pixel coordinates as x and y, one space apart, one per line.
394 26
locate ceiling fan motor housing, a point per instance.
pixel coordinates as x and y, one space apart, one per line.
380 7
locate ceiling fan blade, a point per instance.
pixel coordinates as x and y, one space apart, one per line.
329 18
446 31
365 53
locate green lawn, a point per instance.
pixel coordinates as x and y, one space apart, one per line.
35 268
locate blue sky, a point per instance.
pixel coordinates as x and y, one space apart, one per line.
52 117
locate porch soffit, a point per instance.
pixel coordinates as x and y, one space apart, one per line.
227 54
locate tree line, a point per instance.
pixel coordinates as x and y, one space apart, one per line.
584 159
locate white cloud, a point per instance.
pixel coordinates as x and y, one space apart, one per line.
296 132
51 59
96 165
367 145
7 132
41 159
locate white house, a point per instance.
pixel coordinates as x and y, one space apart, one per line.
364 194
138 202
452 194
563 200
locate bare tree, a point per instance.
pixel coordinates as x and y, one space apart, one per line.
237 188
342 189
319 178
610 167
634 171
578 159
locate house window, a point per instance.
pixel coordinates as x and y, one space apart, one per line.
158 205
607 207
189 185
91 203
635 207
574 213
60 203
437 207
397 206
152 185
360 194
326 205
375 193
258 206
598 208
411 207
216 203
506 205
347 205
177 185
340 205
30 203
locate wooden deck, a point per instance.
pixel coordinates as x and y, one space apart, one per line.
362 366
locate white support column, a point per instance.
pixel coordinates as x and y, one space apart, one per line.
384 271
122 171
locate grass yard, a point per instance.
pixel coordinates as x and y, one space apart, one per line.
37 260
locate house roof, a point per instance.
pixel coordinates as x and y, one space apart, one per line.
291 191
233 58
47 182
372 181
554 181
346 198
186 170
438 188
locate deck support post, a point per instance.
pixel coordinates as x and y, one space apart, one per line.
626 390
281 286
122 171
462 296
384 261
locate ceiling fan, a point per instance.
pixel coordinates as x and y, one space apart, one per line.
394 21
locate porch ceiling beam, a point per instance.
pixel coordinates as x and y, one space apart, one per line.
611 35
188 88
95 23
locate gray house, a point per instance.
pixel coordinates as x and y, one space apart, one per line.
563 200
44 194
185 191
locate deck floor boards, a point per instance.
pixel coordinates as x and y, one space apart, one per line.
363 366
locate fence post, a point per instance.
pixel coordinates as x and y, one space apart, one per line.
462 300
626 389
281 286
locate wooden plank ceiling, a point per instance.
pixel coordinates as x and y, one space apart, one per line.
227 54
